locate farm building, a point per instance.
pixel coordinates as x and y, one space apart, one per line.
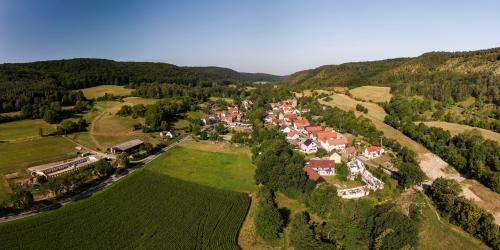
53 170
127 147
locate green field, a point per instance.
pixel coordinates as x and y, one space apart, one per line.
210 165
24 129
148 210
99 91
372 93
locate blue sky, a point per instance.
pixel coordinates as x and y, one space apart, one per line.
273 36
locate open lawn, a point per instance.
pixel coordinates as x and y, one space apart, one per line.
99 91
372 93
210 165
24 129
456 128
435 233
148 209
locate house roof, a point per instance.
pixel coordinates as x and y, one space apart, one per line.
128 145
301 122
324 136
373 149
291 134
351 150
313 128
341 141
291 116
312 175
308 142
321 163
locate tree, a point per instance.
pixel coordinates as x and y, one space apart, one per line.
103 168
341 171
122 160
40 132
51 116
410 174
321 153
154 116
323 200
22 199
268 220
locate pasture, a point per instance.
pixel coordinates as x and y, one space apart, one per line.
99 91
456 128
372 93
214 165
148 210
24 129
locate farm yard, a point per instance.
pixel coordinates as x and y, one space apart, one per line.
372 93
159 207
101 90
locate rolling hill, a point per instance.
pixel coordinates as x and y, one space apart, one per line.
439 75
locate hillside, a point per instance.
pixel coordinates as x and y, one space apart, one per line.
439 75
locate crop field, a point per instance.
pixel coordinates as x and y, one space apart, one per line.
456 128
148 209
99 91
372 93
214 165
24 129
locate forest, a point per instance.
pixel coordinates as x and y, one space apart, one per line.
437 75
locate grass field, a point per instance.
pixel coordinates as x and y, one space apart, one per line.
148 210
372 93
99 91
436 233
214 165
24 129
456 128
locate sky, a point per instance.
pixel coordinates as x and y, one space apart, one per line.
270 36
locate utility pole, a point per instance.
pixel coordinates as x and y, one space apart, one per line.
381 140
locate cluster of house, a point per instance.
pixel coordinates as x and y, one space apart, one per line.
232 116
309 138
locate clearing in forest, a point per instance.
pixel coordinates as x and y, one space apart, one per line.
372 93
456 128
101 90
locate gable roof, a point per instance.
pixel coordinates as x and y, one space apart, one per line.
308 142
373 149
321 163
351 150
312 175
291 134
324 136
341 141
313 128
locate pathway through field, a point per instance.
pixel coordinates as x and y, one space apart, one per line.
92 132
432 165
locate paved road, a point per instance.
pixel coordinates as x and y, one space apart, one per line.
112 179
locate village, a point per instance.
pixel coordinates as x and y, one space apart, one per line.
309 138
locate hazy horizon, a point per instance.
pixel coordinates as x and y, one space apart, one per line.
275 37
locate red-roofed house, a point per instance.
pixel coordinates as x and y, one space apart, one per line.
313 129
325 136
322 166
289 117
373 152
331 144
300 124
292 135
312 175
349 153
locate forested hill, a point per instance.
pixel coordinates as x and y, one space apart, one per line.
439 75
81 73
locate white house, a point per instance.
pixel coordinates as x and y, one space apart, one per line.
292 136
286 130
372 152
308 146
169 134
322 166
334 144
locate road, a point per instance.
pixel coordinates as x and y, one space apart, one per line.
87 193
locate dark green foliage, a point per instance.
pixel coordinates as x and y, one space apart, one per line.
410 175
22 199
69 126
268 220
304 235
103 168
240 137
323 201
361 108
156 115
464 213
278 166
51 116
321 153
392 229
341 171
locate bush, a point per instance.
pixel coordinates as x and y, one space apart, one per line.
268 220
